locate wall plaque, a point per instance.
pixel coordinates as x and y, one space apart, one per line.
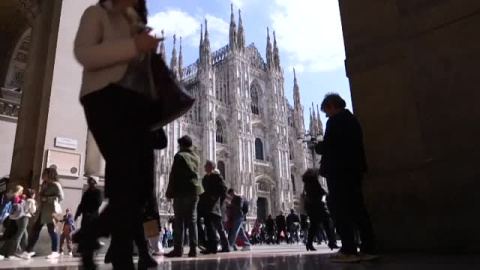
66 143
67 164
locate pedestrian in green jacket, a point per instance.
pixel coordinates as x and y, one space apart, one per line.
184 188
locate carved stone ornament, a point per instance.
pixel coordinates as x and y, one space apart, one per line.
262 186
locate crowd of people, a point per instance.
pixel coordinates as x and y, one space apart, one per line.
113 44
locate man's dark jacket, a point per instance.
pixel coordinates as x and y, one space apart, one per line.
342 148
215 191
183 181
90 203
281 222
292 218
270 224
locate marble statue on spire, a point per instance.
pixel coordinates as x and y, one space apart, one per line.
163 52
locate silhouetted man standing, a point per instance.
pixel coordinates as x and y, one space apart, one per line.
281 222
184 188
343 165
210 205
293 222
91 200
270 225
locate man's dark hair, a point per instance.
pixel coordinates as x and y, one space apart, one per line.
141 9
211 164
30 193
310 175
91 180
230 191
185 141
333 99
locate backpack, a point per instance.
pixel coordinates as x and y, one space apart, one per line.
244 207
5 210
17 210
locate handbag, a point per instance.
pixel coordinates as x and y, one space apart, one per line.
170 98
151 227
57 212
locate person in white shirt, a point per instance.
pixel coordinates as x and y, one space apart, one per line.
111 42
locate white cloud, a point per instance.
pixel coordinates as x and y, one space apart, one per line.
216 24
174 21
187 26
238 3
299 68
310 33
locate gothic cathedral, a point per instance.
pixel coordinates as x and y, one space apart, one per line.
242 121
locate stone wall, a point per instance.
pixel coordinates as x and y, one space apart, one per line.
413 70
7 139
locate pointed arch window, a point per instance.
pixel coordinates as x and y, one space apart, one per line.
294 188
291 151
259 149
254 96
220 138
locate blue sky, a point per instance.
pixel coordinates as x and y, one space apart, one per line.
309 37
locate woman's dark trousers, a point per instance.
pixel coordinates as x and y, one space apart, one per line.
117 118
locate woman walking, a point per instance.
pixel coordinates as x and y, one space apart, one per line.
51 194
110 45
316 209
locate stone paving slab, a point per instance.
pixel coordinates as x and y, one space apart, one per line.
284 257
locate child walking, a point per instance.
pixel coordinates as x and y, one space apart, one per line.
68 228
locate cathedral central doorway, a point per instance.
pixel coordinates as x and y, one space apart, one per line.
262 209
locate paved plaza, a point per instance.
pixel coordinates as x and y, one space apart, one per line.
285 257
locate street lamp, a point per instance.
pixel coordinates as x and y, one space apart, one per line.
311 140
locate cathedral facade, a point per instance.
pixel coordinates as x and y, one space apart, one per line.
242 121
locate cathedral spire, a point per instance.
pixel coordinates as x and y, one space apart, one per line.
311 121
269 50
315 128
233 31
320 124
180 61
276 53
298 108
174 62
201 42
206 41
205 50
241 32
163 53
296 91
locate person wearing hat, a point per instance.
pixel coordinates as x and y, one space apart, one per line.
90 203
184 188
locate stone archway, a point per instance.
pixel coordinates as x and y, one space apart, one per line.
29 8
265 187
18 61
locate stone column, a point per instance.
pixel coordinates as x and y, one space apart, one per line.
31 128
50 107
